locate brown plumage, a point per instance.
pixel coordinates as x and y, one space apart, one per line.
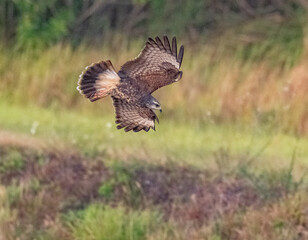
156 66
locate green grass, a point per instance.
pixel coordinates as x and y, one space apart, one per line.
234 129
13 161
129 204
105 223
179 141
272 165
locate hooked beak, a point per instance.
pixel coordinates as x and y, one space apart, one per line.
179 76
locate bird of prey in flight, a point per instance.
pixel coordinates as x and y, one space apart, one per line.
156 66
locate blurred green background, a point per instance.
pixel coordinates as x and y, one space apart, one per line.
229 157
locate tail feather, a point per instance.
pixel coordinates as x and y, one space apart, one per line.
98 80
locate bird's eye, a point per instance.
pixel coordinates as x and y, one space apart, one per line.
156 105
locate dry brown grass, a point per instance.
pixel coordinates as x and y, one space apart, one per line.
286 219
216 85
7 216
194 204
253 93
47 184
9 139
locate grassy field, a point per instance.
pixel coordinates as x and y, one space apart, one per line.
221 83
183 142
71 175
229 158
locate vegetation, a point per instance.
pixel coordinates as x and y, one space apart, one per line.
228 159
31 24
58 195
108 223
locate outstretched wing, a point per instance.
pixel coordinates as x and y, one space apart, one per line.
133 117
156 66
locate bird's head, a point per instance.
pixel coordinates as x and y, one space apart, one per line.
153 104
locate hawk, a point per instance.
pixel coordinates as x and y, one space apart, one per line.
156 66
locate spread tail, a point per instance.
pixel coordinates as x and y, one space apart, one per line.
98 80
